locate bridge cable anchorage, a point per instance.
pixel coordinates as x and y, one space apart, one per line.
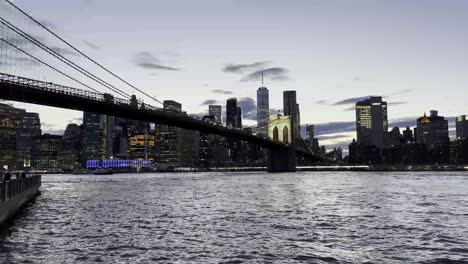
61 58
53 68
80 52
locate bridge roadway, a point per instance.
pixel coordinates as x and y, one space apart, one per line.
14 88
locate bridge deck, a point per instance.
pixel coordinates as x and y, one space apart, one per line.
26 90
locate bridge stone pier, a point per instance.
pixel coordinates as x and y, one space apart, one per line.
282 160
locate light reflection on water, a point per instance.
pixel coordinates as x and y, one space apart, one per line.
313 217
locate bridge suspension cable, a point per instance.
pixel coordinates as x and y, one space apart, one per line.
81 53
61 58
46 64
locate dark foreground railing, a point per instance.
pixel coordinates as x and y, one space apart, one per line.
10 189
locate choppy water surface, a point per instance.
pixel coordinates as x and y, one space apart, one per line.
315 217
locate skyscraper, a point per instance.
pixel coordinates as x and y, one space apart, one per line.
69 155
263 110
239 117
231 112
172 106
371 121
167 143
310 133
462 127
215 111
290 108
29 127
92 140
45 154
432 130
9 122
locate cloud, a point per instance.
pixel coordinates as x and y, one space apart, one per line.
76 120
146 60
210 102
91 45
64 51
352 100
403 91
275 111
48 24
329 137
397 103
59 132
276 74
219 91
249 108
322 102
241 68
334 127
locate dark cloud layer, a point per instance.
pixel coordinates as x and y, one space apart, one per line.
219 91
241 68
209 102
352 100
64 51
91 45
146 60
276 74
249 108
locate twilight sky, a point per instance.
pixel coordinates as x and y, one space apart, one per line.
330 51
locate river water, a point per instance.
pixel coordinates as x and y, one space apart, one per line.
309 217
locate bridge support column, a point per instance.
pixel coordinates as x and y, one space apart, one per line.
282 160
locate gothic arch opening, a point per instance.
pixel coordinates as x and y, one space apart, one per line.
275 134
285 134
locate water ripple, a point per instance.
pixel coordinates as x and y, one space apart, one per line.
321 217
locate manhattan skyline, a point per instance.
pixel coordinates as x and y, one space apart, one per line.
410 53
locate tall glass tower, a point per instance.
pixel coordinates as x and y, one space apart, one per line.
371 121
263 110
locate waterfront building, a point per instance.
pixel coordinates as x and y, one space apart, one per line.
10 118
70 151
141 146
45 155
371 122
279 128
432 130
92 136
290 108
408 135
263 110
216 112
168 138
29 127
462 127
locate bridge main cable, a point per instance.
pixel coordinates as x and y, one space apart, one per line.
80 52
46 64
62 58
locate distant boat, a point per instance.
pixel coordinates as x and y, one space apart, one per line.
103 171
80 171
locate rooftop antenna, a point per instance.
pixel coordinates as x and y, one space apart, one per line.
262 78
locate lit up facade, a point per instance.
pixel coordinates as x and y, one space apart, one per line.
371 122
141 146
30 126
279 129
462 127
9 123
94 164
45 153
93 145
432 130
